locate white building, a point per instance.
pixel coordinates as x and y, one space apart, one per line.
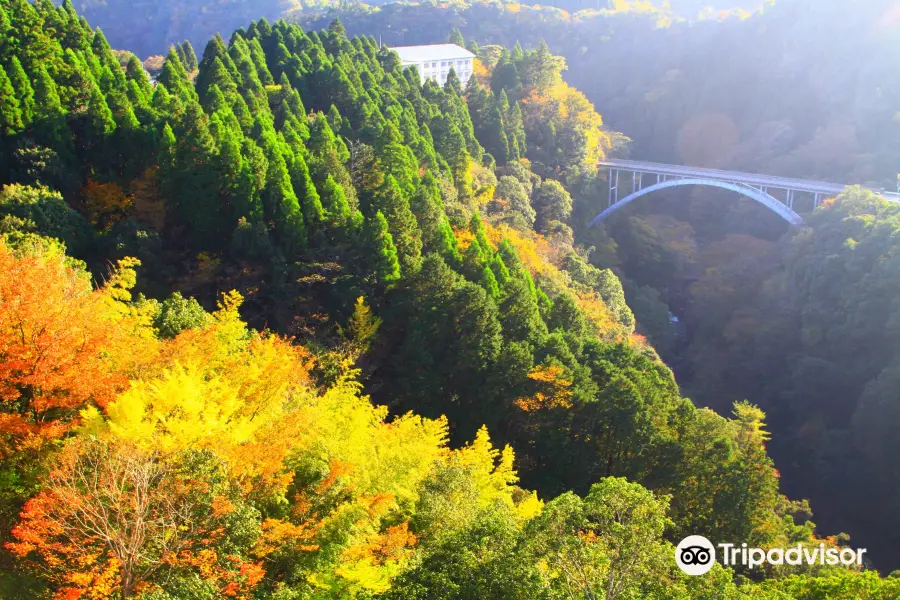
435 61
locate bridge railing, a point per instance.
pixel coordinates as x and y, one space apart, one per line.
754 179
759 181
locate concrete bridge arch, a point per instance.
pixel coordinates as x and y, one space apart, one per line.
760 196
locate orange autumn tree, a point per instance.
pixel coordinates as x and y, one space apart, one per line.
63 344
106 203
113 515
552 389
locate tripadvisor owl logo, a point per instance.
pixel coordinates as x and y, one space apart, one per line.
695 555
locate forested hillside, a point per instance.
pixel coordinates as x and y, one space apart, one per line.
148 27
288 324
803 89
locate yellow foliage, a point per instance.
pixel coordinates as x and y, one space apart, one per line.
493 470
530 507
463 237
363 325
373 564
542 259
569 109
106 202
484 196
596 311
183 409
217 388
481 72
533 249
553 390
249 398
390 458
276 534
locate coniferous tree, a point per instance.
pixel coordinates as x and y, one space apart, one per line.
23 90
452 85
6 39
517 53
10 112
189 56
259 60
457 38
167 146
495 139
179 51
310 202
427 206
99 116
162 102
400 163
122 110
193 184
282 205
216 75
447 245
334 119
506 77
489 282
405 234
334 201
515 128
217 49
385 265
248 201
135 72
174 77
449 141
103 51
47 104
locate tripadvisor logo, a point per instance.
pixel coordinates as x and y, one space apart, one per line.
696 555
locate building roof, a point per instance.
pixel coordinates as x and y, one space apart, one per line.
416 54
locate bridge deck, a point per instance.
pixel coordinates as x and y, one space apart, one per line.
786 183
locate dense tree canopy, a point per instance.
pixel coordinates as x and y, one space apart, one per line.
412 393
710 279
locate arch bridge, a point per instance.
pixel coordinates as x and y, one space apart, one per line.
778 194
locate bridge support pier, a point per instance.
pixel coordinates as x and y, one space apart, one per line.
613 186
